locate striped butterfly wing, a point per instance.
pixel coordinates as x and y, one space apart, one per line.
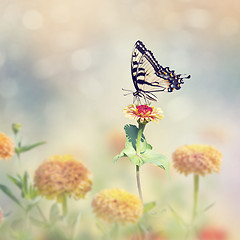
138 51
149 76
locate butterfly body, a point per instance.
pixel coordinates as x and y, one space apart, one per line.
149 76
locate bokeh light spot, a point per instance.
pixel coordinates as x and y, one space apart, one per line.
81 59
198 18
32 20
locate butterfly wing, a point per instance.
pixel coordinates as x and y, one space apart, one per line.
138 51
149 76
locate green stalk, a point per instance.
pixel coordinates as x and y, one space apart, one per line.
195 196
139 136
64 205
195 204
141 127
139 183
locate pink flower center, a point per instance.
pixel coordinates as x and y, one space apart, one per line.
144 109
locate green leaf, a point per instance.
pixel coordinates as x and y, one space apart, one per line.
16 181
157 159
8 192
147 155
54 214
177 217
122 154
207 208
32 204
148 206
28 147
76 225
101 226
33 192
20 234
131 137
25 185
130 146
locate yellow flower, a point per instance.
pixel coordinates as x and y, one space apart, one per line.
6 147
197 159
61 175
143 113
117 205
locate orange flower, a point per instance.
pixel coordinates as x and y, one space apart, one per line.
213 233
198 159
117 205
60 175
6 147
143 113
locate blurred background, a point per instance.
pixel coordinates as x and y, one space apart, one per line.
63 65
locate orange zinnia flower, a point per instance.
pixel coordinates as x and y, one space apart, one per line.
213 233
117 205
60 175
197 158
6 147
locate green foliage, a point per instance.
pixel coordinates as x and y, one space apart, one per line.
178 218
10 194
148 206
147 155
207 208
21 149
54 214
20 234
24 184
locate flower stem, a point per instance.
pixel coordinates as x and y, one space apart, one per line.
141 127
139 137
195 203
64 205
195 196
139 183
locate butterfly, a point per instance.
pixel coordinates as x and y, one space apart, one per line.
149 76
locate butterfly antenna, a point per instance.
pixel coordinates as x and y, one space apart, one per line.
126 90
185 76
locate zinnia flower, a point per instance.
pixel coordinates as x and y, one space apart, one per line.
6 147
117 205
198 159
143 113
213 233
60 175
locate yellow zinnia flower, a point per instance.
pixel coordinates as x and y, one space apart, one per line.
143 113
62 175
197 159
6 147
117 205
